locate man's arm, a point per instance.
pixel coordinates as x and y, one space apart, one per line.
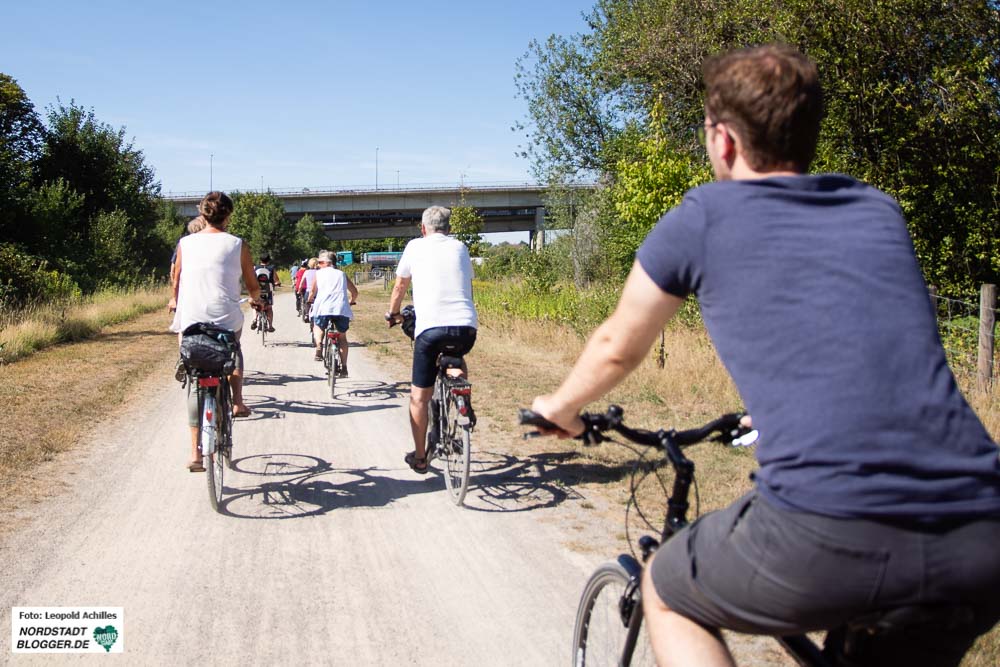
613 351
398 292
352 289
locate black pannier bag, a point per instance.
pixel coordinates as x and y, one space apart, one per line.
409 323
209 349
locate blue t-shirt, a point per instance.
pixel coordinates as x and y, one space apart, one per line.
811 292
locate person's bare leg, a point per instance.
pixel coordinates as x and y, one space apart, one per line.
236 383
678 641
419 398
195 454
342 348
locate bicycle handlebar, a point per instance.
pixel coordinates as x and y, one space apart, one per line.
726 428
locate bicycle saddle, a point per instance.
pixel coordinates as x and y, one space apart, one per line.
446 362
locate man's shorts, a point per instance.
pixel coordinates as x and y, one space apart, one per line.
266 297
453 341
760 569
341 322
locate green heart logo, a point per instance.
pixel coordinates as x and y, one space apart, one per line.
106 636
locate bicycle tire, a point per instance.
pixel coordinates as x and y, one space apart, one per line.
227 416
457 446
334 369
214 462
600 634
262 327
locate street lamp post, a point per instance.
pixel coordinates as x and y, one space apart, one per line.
376 167
397 179
211 159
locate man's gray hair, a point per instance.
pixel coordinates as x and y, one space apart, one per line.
196 225
326 256
437 219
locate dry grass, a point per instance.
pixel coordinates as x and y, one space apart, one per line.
28 330
514 360
53 398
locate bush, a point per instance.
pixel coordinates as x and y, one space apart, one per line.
25 279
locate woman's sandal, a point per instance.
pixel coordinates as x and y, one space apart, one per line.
245 412
418 466
196 466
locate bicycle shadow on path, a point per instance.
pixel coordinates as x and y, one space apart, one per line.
501 482
294 486
269 407
254 378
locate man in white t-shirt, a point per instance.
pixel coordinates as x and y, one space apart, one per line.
329 298
441 273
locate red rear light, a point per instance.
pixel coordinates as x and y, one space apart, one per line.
463 410
333 335
208 382
461 391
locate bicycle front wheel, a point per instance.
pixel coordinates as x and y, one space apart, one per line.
602 633
457 446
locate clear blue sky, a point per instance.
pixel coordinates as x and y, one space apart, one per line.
297 93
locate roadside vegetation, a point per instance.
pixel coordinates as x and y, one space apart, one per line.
34 327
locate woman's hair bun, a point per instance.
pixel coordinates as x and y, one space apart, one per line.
215 207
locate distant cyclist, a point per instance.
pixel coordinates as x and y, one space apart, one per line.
878 486
331 297
268 279
441 272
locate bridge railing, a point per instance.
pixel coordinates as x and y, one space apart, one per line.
399 189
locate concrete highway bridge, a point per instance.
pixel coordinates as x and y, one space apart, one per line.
370 213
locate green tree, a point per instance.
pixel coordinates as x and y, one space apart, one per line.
645 188
113 238
309 237
467 226
98 162
21 134
259 219
913 102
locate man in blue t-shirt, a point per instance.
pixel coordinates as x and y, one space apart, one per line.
878 485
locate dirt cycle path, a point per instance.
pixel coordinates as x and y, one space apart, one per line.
330 550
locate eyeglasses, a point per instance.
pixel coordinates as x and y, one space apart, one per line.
700 132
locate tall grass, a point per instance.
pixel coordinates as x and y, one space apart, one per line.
24 331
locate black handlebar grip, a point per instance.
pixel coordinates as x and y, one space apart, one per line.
530 418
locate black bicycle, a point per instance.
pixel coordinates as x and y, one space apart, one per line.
209 358
609 616
330 349
449 426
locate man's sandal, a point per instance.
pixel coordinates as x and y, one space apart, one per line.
196 466
418 466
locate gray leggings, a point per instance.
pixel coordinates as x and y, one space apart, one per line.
192 397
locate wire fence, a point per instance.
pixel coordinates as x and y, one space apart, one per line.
968 333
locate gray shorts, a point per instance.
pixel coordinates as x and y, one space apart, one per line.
759 569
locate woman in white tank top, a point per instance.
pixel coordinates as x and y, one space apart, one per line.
206 287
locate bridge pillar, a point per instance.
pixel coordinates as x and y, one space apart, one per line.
537 237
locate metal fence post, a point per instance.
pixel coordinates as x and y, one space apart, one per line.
932 292
987 324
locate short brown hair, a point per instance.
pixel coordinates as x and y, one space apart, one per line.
771 97
215 207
